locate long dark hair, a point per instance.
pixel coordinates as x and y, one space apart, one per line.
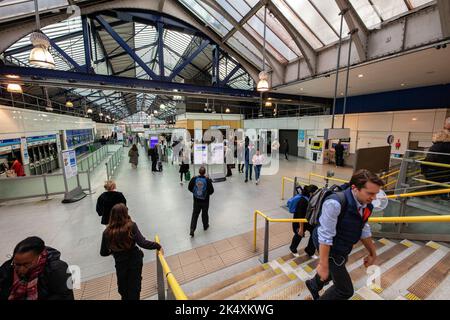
119 229
134 148
307 191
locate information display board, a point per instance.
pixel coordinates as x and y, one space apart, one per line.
301 138
70 163
200 154
153 141
217 153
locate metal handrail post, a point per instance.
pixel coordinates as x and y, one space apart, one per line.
170 295
160 279
45 186
295 186
107 171
266 242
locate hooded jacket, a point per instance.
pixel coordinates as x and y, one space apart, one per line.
52 283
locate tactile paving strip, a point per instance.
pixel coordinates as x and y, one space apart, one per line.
401 268
426 284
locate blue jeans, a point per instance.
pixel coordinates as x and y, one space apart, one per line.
248 168
257 171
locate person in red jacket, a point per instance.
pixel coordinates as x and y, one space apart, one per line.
18 168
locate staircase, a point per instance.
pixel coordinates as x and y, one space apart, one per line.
409 271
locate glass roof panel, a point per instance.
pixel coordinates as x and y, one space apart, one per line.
241 6
200 11
17 8
418 3
390 8
301 27
367 13
313 20
230 9
330 10
271 43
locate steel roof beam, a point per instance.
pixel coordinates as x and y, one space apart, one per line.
188 60
125 46
245 19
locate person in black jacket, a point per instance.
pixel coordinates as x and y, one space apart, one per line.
32 260
439 152
107 200
339 154
201 187
300 228
121 238
154 158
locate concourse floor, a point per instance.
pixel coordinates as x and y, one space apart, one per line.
159 205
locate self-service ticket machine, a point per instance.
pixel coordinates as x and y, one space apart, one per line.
316 150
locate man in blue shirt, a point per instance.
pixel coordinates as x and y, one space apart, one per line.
341 225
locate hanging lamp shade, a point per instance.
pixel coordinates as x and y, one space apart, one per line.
69 104
14 88
39 55
263 84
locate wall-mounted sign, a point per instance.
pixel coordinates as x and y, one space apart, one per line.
390 139
301 138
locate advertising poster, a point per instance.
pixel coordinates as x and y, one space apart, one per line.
217 153
119 136
70 163
198 135
200 154
301 138
24 149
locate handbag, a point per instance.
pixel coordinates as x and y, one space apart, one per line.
187 176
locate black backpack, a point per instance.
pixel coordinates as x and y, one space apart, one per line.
317 199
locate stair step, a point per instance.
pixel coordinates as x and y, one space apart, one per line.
220 285
426 284
287 292
264 287
242 285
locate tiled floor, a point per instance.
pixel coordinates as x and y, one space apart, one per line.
189 265
159 205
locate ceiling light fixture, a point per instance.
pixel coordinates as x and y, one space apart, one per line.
69 104
227 110
14 88
360 75
263 84
39 55
89 110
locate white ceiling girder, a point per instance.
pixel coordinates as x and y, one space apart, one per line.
354 22
413 31
444 12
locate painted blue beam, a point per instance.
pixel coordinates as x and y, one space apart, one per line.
29 74
125 46
231 74
215 65
188 60
160 29
65 56
87 43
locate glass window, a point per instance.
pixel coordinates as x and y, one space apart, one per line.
269 46
390 8
243 46
367 13
241 6
230 10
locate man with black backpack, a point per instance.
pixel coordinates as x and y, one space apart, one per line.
201 187
341 221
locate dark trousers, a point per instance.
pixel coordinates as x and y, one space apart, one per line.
342 288
129 274
296 239
241 167
248 168
340 160
229 173
203 208
285 154
154 165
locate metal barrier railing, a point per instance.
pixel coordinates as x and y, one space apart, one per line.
174 291
113 163
265 258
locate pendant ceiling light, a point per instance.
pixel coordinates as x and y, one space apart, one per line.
14 88
263 83
39 55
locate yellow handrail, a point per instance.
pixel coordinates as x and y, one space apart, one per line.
329 178
419 194
390 174
417 219
446 185
171 281
434 164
